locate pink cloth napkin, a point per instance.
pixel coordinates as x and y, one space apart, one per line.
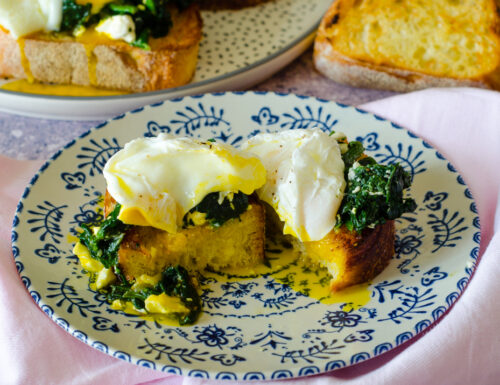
464 347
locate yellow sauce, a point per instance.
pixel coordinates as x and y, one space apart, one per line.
159 318
25 62
72 239
91 37
284 265
91 64
24 85
288 267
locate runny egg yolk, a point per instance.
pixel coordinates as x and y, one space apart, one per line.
158 180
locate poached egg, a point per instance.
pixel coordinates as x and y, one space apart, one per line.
158 180
22 17
305 179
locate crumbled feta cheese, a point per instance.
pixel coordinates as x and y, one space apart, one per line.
351 175
118 27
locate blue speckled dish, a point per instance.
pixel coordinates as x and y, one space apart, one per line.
256 329
239 48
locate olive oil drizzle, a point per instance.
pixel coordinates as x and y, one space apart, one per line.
289 267
286 266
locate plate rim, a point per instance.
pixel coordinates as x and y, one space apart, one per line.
406 337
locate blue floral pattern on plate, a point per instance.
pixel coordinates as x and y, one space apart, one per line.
251 329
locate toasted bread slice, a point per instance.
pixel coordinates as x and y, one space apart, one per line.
93 60
352 258
408 44
239 242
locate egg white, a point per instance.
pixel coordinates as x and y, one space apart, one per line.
22 17
305 179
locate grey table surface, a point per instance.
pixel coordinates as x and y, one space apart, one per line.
30 138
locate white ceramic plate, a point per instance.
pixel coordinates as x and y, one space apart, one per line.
259 328
239 49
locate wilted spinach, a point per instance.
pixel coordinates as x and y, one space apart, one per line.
374 194
175 281
218 213
74 15
103 246
151 17
354 151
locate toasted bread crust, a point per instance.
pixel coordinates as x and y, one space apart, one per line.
171 62
367 73
352 72
348 71
351 257
10 57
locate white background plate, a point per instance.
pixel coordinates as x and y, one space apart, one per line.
257 329
239 49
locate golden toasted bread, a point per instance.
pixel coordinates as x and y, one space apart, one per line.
405 45
94 60
352 258
238 242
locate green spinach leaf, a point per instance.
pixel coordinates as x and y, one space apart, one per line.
176 281
219 213
104 245
151 18
74 15
374 194
122 9
123 291
354 151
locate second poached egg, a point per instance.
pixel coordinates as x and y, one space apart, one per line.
305 179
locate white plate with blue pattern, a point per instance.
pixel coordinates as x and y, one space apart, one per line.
258 329
239 48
